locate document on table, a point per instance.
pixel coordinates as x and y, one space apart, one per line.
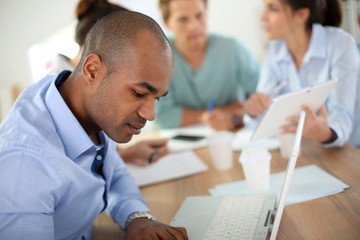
308 182
171 166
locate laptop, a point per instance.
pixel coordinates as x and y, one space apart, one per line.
241 216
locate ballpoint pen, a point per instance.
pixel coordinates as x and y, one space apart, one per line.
152 156
277 89
211 104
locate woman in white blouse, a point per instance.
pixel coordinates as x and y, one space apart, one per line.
308 47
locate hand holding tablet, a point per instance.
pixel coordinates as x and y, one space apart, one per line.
290 104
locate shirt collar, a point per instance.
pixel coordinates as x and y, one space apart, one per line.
317 46
283 54
73 136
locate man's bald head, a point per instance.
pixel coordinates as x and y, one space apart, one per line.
113 37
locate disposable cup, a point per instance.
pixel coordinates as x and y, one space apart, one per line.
220 146
256 167
286 141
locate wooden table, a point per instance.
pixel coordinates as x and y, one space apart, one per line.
333 217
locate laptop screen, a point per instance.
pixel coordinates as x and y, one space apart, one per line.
289 174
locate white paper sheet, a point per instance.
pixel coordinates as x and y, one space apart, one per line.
308 182
242 140
171 166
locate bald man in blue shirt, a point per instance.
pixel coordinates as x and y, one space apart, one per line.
59 167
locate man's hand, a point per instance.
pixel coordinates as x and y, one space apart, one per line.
316 126
143 228
257 104
222 118
141 152
219 119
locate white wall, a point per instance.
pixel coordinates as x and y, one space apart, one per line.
24 23
27 22
239 18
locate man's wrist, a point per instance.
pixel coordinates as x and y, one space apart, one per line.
135 215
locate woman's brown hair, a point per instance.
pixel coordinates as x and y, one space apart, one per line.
88 12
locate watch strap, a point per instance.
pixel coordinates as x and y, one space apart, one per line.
135 215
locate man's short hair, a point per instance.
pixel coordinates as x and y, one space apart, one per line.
113 36
164 6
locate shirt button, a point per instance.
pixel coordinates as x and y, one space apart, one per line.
98 157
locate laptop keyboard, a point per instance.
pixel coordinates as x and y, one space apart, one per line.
237 218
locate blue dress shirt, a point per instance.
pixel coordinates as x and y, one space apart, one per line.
229 73
331 54
48 190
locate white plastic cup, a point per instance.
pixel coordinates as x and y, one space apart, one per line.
286 141
256 167
220 146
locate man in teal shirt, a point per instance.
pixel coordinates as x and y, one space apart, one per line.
206 66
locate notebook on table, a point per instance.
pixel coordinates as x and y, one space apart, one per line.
241 216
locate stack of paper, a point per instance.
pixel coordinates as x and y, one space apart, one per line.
171 166
309 182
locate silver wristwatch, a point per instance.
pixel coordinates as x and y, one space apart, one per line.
134 215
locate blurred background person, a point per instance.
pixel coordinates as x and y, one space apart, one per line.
206 67
308 47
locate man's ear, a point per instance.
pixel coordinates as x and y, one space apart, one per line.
91 68
166 22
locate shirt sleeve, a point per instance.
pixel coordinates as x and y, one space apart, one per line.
341 103
26 207
248 70
355 135
124 195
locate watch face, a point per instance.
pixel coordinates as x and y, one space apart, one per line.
141 214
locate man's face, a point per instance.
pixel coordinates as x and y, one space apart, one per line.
187 21
125 99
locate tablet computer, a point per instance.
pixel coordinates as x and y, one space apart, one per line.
289 104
